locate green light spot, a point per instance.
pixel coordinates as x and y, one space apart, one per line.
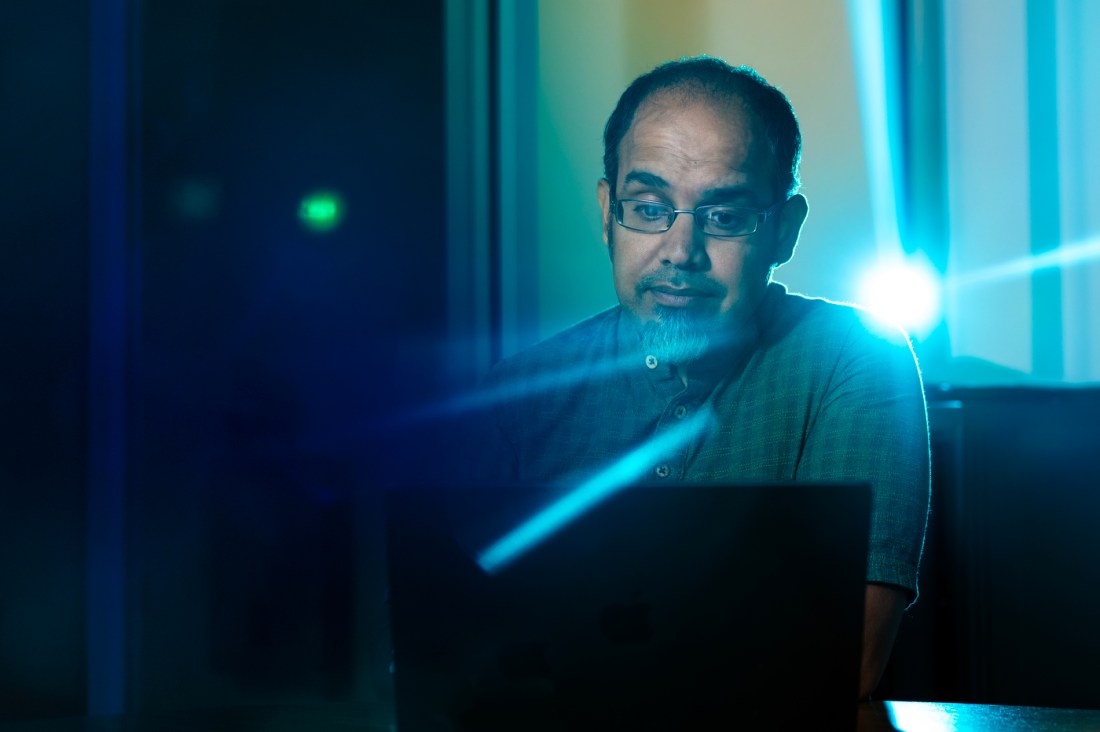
321 211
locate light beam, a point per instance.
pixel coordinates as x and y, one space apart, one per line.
1060 257
539 527
873 66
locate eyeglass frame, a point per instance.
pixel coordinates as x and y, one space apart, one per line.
761 215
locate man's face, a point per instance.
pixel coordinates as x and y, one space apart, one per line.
687 153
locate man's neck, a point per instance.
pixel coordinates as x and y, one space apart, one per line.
712 366
724 352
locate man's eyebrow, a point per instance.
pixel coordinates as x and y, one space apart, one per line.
729 193
733 194
645 178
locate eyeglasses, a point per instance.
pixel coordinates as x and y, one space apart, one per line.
654 217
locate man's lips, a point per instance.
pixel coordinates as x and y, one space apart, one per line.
679 296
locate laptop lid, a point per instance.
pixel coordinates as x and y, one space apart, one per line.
658 607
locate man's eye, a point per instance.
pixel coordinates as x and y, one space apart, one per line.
731 219
650 211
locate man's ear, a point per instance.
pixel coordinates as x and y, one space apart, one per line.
789 226
603 195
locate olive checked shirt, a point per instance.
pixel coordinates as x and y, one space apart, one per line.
820 391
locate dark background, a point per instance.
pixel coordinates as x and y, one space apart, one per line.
256 358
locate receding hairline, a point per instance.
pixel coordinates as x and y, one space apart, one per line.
695 91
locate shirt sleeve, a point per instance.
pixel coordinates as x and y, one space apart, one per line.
871 424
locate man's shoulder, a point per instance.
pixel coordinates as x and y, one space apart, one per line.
567 348
828 323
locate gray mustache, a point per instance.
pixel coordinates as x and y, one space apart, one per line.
675 278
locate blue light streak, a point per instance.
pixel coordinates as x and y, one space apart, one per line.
506 391
1060 257
872 63
589 494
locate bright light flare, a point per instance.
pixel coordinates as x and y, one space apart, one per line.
906 292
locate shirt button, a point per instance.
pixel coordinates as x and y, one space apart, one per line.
681 411
662 471
651 361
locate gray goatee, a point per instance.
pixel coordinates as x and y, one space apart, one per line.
676 337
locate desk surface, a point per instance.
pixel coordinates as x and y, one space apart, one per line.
873 717
903 716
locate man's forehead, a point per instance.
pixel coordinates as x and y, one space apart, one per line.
698 130
693 131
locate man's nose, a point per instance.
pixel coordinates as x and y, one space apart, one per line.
684 245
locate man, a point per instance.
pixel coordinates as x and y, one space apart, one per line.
700 204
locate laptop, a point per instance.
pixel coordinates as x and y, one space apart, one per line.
657 607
